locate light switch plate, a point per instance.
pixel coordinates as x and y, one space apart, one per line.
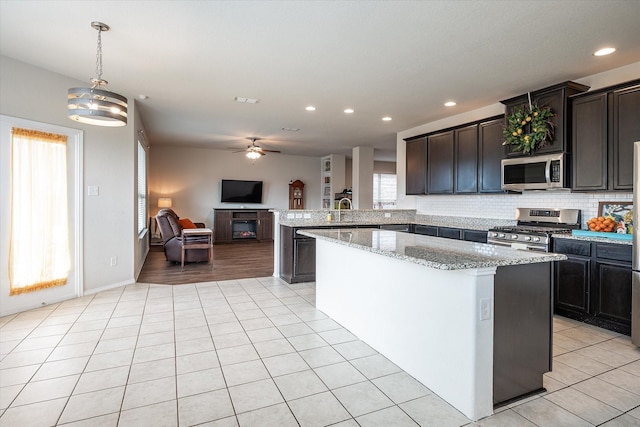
298 215
387 215
290 216
93 190
306 216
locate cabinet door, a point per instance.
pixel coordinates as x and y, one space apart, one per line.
416 174
626 130
286 253
571 284
589 143
491 153
466 159
265 226
304 261
613 292
222 225
554 99
440 163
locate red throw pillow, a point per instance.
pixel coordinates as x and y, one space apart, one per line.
186 223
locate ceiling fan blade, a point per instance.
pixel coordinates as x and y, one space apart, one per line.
270 151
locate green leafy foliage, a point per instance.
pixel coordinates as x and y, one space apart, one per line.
529 129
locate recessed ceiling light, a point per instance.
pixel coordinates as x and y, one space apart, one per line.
449 104
310 108
246 100
386 119
604 51
349 110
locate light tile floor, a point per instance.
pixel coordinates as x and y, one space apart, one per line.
256 352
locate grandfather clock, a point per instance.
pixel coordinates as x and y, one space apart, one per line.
296 195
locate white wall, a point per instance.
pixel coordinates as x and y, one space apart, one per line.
503 205
109 219
192 176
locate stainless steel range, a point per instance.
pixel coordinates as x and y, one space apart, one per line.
535 227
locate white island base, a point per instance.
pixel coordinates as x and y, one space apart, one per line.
425 320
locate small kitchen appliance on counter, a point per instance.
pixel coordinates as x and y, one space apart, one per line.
534 228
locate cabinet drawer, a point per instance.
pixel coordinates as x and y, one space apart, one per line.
426 230
614 252
572 247
396 227
450 233
474 236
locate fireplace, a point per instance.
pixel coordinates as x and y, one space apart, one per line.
245 229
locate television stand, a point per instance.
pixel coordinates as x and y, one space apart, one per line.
242 225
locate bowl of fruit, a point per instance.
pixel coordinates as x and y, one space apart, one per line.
602 224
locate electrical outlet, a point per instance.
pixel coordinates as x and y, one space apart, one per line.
290 216
114 261
93 190
298 215
387 215
485 309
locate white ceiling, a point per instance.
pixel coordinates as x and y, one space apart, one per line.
402 59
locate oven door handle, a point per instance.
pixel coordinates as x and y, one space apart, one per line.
547 172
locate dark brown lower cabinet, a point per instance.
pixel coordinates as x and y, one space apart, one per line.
572 279
613 299
297 256
594 284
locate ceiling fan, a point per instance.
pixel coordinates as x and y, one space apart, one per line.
254 151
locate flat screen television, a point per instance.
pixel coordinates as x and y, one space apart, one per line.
237 191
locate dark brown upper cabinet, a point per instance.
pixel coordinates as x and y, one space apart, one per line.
589 142
460 160
440 154
556 98
605 125
466 160
416 172
490 155
625 131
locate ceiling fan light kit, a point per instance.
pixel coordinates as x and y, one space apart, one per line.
254 151
97 105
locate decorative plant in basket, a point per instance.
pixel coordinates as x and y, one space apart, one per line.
529 128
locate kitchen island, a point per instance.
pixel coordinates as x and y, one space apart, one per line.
471 321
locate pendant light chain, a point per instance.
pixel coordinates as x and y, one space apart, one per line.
99 55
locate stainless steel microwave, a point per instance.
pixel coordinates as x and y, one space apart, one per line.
544 172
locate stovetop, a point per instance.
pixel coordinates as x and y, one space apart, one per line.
543 221
534 229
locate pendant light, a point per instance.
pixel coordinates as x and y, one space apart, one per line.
96 105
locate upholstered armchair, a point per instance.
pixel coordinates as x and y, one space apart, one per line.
171 233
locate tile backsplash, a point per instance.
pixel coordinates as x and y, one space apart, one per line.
503 206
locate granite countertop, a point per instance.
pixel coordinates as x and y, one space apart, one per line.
593 239
480 224
434 252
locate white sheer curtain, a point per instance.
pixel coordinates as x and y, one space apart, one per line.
39 243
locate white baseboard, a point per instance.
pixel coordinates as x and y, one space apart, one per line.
109 287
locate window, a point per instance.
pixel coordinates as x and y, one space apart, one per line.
384 191
39 243
142 188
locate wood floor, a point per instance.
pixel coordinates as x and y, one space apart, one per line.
230 261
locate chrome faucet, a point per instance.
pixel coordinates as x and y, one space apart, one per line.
344 199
